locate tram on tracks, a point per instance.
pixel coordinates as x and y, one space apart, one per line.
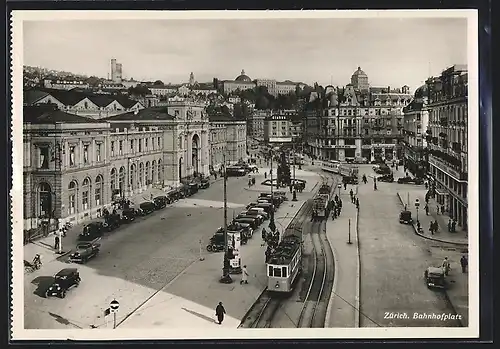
332 166
284 264
321 203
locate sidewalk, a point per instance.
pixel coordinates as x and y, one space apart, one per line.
458 283
344 301
190 299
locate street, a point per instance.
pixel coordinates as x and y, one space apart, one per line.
137 260
393 261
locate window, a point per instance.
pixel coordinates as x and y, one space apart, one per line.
284 271
146 144
98 152
140 145
85 199
159 143
97 196
112 148
72 155
71 207
120 148
85 153
418 116
277 272
44 158
131 145
270 270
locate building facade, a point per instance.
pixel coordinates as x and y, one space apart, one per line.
277 127
255 124
74 166
116 71
447 140
357 122
274 87
416 121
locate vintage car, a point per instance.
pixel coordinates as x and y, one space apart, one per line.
160 202
92 231
259 211
112 221
128 215
85 251
146 208
434 277
63 281
405 217
216 242
252 214
192 188
386 178
253 221
408 179
383 169
204 183
244 227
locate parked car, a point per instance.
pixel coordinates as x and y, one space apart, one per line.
383 169
267 207
408 179
259 211
192 188
160 202
85 251
92 231
128 215
253 221
112 221
147 207
253 214
63 281
386 178
204 183
245 227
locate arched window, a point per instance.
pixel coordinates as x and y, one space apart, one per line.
141 174
98 190
85 193
154 172
72 192
160 171
45 199
147 175
113 178
121 180
133 170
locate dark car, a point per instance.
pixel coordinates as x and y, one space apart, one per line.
274 200
147 207
85 251
245 227
216 241
269 208
92 231
63 281
408 180
160 202
252 204
128 215
192 188
405 217
383 169
435 277
244 214
112 221
389 178
204 184
254 222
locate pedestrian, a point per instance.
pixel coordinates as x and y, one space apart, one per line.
431 228
357 203
264 234
436 226
345 186
374 185
426 209
219 312
351 193
336 198
265 175
446 266
442 209
453 226
449 225
464 262
56 242
244 275
340 203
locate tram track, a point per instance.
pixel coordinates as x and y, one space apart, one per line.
316 301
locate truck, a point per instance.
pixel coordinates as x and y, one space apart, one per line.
85 251
320 204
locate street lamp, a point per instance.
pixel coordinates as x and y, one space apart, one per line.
226 278
294 183
272 224
417 205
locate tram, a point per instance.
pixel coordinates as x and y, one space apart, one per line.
284 264
331 166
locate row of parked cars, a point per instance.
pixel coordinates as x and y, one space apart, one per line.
247 221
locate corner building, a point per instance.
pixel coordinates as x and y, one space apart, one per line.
75 166
447 140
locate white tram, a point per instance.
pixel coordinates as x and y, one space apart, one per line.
331 166
284 265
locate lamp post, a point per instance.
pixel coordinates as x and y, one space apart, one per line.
417 205
294 183
226 278
349 240
272 224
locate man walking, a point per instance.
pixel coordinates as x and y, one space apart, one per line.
426 209
351 193
431 228
56 242
446 266
219 312
244 275
464 262
357 203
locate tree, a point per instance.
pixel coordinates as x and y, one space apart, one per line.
139 90
262 103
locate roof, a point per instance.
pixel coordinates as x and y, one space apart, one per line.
156 113
32 96
286 249
67 271
49 114
101 100
221 117
359 72
243 77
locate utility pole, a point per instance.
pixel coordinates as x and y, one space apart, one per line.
294 183
272 224
226 278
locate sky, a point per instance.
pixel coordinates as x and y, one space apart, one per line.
391 51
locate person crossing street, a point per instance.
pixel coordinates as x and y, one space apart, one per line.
244 275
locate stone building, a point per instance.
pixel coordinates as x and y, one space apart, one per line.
74 166
447 140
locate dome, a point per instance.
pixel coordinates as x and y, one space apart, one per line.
359 72
421 91
243 77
